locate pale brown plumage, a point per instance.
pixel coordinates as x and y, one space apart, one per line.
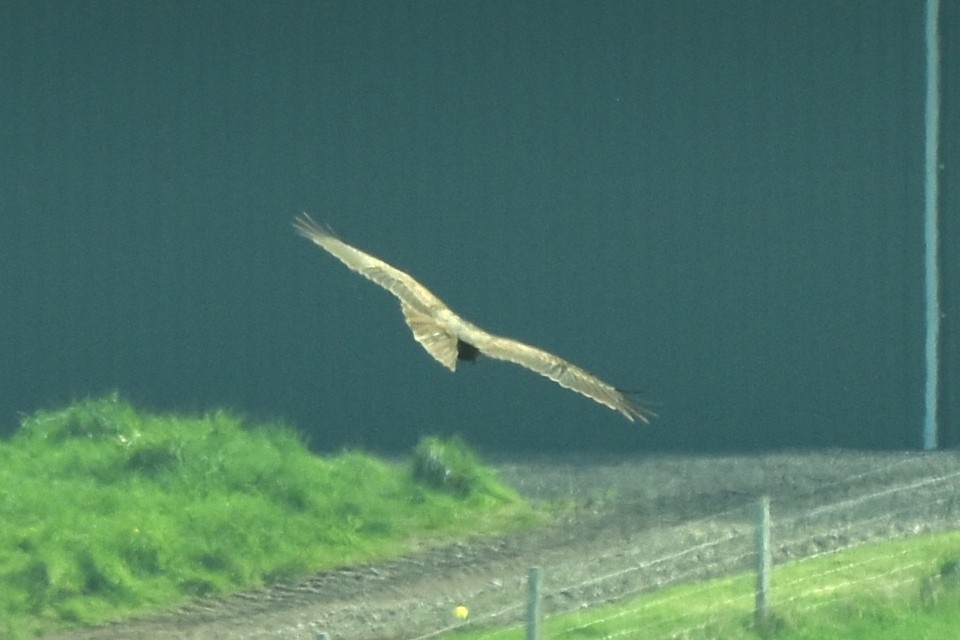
448 337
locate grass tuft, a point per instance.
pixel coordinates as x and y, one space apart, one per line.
106 511
450 466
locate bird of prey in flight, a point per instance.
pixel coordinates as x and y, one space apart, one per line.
448 337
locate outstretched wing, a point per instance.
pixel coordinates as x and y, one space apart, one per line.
426 315
567 375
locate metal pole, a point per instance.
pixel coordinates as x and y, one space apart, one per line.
931 227
533 604
764 562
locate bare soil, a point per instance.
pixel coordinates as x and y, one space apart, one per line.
628 525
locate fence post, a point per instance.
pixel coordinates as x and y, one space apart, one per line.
763 562
533 604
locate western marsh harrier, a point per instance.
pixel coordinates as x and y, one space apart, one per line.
448 337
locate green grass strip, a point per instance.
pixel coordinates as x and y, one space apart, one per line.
106 511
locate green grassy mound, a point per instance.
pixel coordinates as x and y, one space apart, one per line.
106 511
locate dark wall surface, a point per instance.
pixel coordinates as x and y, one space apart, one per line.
949 177
717 203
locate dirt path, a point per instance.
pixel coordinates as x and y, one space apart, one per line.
630 525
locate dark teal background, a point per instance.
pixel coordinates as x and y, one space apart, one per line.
717 203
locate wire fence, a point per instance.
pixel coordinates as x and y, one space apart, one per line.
728 543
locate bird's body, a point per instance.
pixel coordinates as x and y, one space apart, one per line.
449 338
